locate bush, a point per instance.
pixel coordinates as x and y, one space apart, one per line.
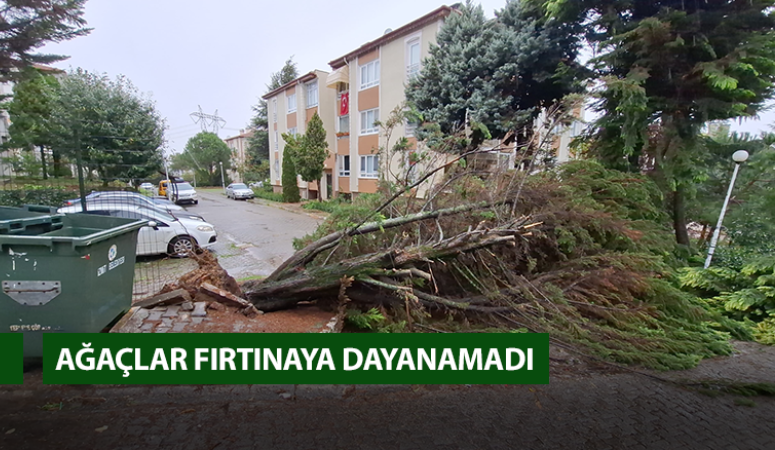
36 195
270 195
330 206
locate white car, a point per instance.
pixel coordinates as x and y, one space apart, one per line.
183 193
239 191
147 187
164 234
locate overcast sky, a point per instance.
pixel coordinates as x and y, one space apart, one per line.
220 54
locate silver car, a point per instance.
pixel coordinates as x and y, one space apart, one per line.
239 191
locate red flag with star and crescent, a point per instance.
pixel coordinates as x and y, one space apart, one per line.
344 104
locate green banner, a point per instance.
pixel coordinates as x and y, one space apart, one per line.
12 367
509 358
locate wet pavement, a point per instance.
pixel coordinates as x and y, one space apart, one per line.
592 410
254 237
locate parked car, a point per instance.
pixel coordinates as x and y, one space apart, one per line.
147 187
132 198
183 193
256 184
164 233
239 191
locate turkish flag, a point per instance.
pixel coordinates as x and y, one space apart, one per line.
344 104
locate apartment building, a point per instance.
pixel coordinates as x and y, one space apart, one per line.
369 83
239 153
290 108
363 87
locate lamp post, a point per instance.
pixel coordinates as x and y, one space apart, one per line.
223 184
739 157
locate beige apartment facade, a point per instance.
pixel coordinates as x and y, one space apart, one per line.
364 86
290 107
239 154
371 81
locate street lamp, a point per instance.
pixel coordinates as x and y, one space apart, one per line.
223 184
739 157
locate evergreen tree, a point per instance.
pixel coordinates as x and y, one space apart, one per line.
311 152
30 24
667 67
30 110
258 144
497 73
117 131
289 175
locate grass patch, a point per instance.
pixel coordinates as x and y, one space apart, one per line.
268 194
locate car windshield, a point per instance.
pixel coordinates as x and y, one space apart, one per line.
184 186
238 186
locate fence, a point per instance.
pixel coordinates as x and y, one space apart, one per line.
34 178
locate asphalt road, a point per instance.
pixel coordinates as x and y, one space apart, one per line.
253 238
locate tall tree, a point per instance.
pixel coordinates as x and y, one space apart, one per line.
667 67
31 110
311 152
108 124
26 25
497 74
258 144
205 153
289 171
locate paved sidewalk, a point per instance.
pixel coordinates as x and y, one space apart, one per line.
595 410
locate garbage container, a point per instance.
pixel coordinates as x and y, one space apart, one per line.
63 273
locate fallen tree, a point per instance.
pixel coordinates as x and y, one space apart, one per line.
583 253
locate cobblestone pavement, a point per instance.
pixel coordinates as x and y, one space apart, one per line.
253 239
593 411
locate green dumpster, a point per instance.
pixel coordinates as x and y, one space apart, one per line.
63 273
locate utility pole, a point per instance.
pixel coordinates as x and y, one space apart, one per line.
167 174
208 120
223 183
79 164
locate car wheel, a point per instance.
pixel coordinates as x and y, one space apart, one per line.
196 202
181 246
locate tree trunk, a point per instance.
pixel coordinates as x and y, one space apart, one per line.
57 163
43 162
679 216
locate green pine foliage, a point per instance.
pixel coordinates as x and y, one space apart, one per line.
666 68
289 172
497 73
746 294
29 24
311 151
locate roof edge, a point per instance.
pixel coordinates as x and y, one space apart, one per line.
306 77
440 12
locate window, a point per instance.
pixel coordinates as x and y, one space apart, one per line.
344 124
277 168
291 102
274 109
412 57
369 166
276 141
368 119
344 166
312 94
292 131
370 74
